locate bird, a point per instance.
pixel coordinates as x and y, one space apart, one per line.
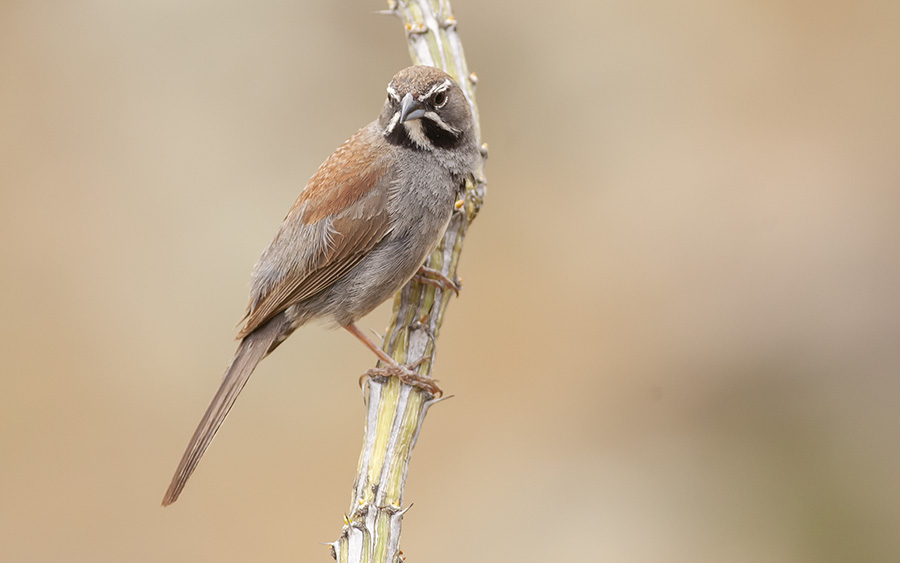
359 230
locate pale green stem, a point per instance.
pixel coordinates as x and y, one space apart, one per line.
395 411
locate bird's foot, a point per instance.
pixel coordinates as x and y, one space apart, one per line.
407 375
437 279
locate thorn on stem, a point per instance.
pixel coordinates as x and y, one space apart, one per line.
418 29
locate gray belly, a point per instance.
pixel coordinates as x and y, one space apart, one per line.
385 270
420 206
378 276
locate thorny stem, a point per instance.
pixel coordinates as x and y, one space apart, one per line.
395 410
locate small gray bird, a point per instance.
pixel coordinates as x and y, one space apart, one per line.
360 229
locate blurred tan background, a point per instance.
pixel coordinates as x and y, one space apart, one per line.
678 337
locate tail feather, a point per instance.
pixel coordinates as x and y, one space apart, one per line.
251 350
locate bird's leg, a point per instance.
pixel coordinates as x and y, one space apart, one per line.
393 368
436 278
382 355
408 376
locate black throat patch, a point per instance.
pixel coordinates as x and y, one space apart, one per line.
439 137
399 136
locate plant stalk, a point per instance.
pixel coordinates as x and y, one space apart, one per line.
395 411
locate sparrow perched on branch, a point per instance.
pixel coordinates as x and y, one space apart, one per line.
360 229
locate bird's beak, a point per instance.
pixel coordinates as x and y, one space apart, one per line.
410 108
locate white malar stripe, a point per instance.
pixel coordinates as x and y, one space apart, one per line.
440 122
392 123
435 89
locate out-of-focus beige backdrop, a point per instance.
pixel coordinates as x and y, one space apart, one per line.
678 338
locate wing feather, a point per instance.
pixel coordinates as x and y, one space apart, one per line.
337 220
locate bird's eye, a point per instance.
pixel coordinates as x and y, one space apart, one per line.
439 99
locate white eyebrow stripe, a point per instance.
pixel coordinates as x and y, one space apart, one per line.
435 89
393 93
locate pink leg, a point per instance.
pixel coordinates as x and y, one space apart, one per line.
405 374
436 278
354 330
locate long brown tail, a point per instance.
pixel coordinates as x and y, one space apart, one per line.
251 350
